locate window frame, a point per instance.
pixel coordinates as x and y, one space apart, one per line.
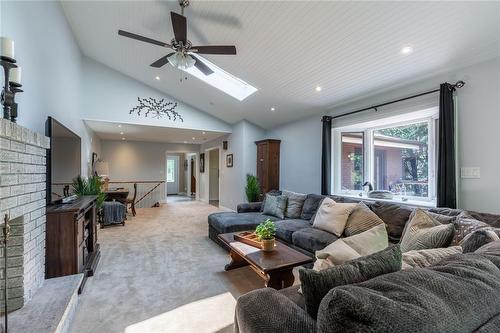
368 156
173 172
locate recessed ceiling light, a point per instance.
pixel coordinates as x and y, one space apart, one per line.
273 109
185 142
193 138
123 138
157 78
119 125
121 133
318 88
203 133
406 49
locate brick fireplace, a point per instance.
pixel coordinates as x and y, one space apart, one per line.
22 198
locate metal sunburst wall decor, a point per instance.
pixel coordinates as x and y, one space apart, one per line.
156 109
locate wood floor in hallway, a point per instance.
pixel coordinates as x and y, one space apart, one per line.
161 273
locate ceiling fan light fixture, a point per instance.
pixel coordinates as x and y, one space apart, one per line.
181 60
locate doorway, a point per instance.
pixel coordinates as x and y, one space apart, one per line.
191 175
213 177
172 175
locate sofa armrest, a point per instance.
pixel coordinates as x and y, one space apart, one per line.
268 311
250 207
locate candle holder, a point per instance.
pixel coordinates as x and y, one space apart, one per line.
7 98
14 88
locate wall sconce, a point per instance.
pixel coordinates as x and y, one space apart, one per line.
12 75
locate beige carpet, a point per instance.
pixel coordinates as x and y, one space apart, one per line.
161 273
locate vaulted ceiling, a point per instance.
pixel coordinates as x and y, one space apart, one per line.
288 48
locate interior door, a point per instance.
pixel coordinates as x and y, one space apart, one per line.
172 174
193 178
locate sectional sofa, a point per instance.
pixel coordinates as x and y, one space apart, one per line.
299 233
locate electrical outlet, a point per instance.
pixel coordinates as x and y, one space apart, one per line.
470 172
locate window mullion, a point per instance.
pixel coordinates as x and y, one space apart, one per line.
368 155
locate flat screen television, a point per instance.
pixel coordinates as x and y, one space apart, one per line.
63 160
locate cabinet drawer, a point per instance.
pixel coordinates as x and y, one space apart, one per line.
80 226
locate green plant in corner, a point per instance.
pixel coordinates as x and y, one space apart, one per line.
266 230
89 186
252 189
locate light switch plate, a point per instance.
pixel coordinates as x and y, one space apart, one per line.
470 172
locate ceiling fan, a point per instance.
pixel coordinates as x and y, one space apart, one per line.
185 54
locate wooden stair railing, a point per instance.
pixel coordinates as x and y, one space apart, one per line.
149 192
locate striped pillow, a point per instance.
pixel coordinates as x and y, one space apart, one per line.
424 232
361 220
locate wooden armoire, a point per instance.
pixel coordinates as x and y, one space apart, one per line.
268 164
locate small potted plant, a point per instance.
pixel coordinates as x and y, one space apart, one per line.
266 231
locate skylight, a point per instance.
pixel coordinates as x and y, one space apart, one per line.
223 81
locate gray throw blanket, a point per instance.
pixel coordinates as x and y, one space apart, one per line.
114 212
458 296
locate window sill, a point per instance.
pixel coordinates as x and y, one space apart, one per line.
409 202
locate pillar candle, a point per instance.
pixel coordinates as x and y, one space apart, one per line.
15 75
7 47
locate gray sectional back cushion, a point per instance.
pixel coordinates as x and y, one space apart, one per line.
311 205
395 217
477 239
315 285
459 295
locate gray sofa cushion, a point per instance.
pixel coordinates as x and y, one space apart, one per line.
459 295
394 216
312 239
269 311
285 228
294 295
275 205
272 192
316 284
294 205
492 248
478 238
249 207
311 205
230 222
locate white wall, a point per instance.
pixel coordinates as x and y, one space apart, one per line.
479 146
51 67
241 143
110 95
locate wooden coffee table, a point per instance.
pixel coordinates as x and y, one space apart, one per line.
275 267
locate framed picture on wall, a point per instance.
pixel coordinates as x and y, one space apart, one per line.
229 160
202 162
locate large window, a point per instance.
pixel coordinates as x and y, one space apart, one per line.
393 156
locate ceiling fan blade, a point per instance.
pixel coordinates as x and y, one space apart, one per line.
201 66
142 38
214 49
179 24
162 61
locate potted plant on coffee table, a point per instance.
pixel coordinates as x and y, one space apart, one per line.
266 232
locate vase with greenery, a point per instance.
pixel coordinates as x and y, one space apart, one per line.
266 232
252 189
89 186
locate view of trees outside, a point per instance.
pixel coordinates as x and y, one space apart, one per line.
413 182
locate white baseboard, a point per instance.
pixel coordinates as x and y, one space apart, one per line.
226 209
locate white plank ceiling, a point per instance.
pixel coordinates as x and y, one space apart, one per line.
286 49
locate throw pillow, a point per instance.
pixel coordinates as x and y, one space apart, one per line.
332 216
394 216
465 226
349 248
311 205
315 285
275 205
478 238
492 248
294 205
428 257
272 192
424 232
361 219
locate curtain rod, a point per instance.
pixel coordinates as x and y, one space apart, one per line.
458 84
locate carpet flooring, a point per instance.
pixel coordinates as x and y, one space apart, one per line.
161 273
